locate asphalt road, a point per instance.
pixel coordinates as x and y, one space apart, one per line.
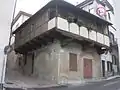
113 84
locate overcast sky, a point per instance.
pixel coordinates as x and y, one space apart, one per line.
31 6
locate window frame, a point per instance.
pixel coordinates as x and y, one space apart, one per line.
114 60
72 66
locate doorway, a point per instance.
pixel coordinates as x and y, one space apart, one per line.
103 68
87 68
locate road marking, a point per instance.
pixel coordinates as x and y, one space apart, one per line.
108 84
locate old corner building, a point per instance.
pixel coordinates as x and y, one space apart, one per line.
61 43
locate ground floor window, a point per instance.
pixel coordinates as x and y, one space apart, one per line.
114 60
72 62
109 66
103 68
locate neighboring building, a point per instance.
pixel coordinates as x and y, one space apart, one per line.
105 10
12 69
61 43
100 8
114 50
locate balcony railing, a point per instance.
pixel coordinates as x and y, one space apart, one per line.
62 24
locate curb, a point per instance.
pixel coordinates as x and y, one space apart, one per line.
46 87
36 88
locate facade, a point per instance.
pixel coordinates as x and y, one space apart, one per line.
61 44
12 58
104 9
114 50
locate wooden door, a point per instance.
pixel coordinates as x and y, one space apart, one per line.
87 68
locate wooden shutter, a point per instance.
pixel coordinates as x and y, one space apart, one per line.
72 62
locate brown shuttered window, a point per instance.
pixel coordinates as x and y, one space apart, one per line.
72 62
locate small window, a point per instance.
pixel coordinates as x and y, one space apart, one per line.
109 66
105 30
111 37
114 60
91 10
25 60
72 62
109 17
52 13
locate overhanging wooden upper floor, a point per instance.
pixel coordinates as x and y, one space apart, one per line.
55 15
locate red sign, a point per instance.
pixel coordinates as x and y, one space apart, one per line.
101 11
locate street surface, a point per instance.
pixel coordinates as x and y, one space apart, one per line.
113 84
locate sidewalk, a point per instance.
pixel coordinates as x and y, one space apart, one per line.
34 88
69 84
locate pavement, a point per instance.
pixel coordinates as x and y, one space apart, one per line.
108 84
112 83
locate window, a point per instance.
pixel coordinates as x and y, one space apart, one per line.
105 29
33 56
52 13
72 62
91 10
114 60
100 28
109 17
109 66
111 37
